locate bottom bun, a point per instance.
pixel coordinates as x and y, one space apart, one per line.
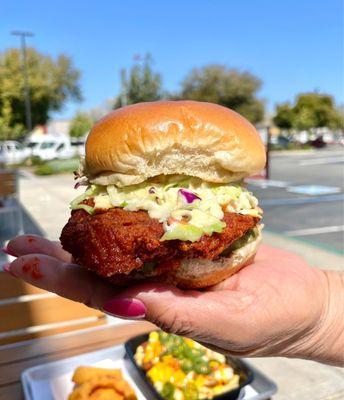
199 273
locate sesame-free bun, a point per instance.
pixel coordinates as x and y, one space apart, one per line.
198 273
204 140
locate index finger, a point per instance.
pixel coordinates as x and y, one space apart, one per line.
33 244
67 280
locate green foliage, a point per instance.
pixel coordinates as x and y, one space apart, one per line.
143 84
228 87
44 169
52 83
314 110
290 146
81 124
34 161
311 110
8 132
284 117
57 167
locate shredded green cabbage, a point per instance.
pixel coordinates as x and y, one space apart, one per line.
185 216
183 232
85 207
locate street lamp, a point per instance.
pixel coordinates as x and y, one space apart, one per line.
22 36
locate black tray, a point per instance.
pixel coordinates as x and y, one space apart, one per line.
241 368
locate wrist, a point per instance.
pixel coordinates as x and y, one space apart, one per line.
325 341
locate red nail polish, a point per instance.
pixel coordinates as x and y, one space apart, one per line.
6 251
125 308
6 268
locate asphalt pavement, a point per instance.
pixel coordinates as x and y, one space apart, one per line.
304 198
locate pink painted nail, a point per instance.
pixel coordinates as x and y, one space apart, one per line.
6 268
6 251
125 308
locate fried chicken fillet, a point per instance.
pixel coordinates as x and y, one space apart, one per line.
116 241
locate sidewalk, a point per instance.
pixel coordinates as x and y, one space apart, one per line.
47 200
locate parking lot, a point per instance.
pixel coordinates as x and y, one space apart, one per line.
304 197
295 207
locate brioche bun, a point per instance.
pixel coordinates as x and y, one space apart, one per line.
200 273
204 140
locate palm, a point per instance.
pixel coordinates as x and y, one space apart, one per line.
266 298
262 307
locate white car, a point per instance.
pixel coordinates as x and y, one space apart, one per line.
51 149
78 145
12 152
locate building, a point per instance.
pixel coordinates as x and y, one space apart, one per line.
56 128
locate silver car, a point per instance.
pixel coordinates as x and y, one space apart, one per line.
12 152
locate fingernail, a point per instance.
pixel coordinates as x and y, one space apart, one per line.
6 251
125 308
7 268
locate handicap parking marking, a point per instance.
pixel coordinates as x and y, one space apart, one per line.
313 190
266 183
310 190
314 193
301 200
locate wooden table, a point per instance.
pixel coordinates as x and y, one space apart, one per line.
15 358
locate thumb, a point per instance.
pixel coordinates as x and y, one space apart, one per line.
168 307
204 316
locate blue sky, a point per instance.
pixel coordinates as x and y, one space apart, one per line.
292 45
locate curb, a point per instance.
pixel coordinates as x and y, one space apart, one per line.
318 255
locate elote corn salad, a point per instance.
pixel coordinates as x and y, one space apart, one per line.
182 369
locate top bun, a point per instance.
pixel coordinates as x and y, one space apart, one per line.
204 140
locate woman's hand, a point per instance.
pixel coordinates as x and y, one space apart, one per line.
278 306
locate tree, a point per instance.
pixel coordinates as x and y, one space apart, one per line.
8 132
311 110
81 124
228 87
143 84
52 83
285 116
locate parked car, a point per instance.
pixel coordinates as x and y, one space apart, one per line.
78 145
12 152
318 143
279 142
283 141
51 148
31 146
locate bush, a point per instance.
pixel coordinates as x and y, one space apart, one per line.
57 167
290 146
45 170
33 161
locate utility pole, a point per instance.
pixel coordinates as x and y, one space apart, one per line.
124 91
268 146
22 36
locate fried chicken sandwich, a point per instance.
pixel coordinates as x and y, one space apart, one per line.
165 198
